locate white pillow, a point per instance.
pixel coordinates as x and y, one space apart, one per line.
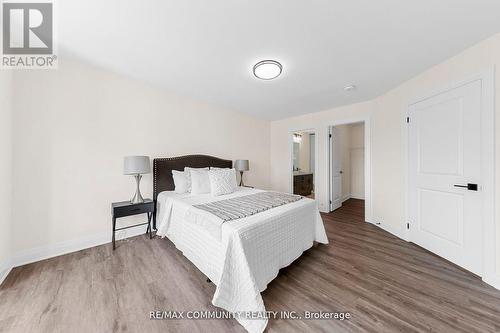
233 170
187 170
200 183
180 181
222 181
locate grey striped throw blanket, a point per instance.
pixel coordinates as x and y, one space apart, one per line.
236 208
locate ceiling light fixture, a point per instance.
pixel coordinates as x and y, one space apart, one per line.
350 87
267 69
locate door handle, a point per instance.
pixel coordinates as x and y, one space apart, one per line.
469 186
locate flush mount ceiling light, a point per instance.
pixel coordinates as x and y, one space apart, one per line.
350 87
267 69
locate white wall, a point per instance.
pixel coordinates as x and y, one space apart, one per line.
357 161
357 132
5 170
74 125
387 135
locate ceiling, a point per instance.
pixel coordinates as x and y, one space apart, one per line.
205 50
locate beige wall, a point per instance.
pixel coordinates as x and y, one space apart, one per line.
5 169
357 135
387 115
78 123
356 157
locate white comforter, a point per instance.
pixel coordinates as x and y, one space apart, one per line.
241 256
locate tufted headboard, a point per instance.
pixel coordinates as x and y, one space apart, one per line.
162 171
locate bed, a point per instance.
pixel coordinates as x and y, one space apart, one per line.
241 256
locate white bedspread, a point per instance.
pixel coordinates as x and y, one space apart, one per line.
241 256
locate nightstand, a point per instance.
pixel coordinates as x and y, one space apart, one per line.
125 208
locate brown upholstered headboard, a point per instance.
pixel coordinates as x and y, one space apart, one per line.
162 171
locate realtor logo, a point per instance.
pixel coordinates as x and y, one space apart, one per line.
28 35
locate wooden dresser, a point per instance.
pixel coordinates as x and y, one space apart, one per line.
303 183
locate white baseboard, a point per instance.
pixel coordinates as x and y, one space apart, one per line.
493 281
327 210
353 196
5 268
45 252
344 199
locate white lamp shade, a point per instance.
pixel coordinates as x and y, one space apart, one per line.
136 165
241 165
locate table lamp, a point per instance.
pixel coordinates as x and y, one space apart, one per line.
136 166
241 166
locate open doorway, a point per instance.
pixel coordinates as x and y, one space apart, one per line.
304 163
347 165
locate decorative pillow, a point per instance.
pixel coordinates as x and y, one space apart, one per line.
200 183
180 181
187 170
222 181
234 170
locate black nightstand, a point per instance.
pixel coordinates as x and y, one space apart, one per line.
125 208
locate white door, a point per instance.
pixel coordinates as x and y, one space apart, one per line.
335 170
444 157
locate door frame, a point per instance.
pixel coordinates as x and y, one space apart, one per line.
487 79
366 120
290 165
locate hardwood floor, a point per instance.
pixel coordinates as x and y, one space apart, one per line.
386 284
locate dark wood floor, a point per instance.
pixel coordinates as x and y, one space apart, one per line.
387 285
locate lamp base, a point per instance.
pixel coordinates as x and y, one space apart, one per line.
241 179
137 199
